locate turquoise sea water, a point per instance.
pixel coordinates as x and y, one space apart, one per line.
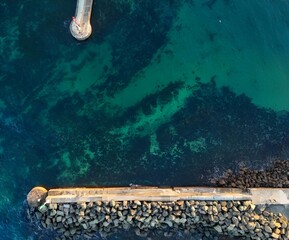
168 92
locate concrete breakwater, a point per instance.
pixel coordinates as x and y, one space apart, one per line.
213 218
239 217
80 26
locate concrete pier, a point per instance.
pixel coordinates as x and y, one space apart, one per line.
254 213
80 26
270 196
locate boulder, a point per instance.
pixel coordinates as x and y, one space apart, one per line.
218 229
268 229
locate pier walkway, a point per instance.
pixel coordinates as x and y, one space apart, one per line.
80 26
271 196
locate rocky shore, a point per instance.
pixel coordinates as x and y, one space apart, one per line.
276 176
212 218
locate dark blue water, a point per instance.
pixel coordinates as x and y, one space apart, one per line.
163 93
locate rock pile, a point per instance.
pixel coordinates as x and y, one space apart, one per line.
275 176
231 218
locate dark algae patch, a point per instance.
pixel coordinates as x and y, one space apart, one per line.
216 125
135 38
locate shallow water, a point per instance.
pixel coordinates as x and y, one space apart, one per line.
163 93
